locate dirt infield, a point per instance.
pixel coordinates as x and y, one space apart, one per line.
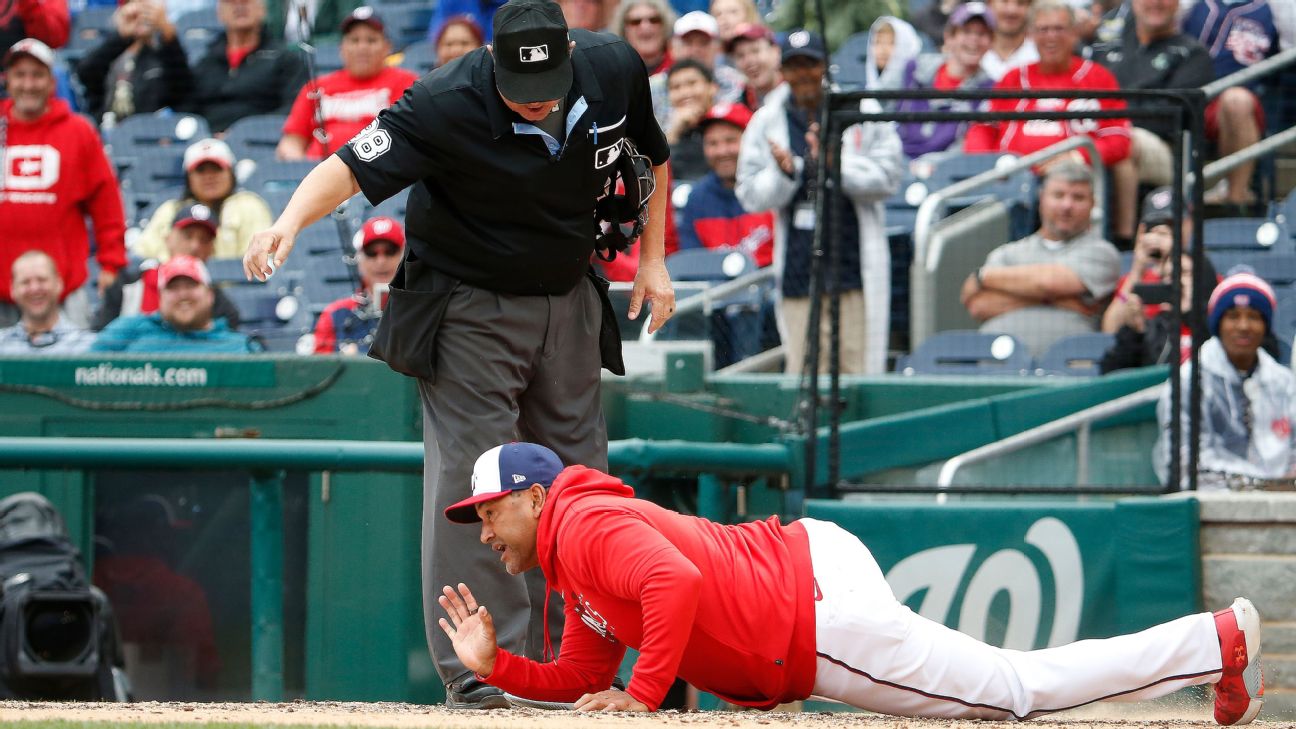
400 716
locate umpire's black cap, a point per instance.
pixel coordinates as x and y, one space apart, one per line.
532 62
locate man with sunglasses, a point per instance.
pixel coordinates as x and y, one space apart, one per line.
35 287
513 152
347 325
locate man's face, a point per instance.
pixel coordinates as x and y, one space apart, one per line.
689 88
509 526
644 31
1054 36
186 304
364 51
240 15
30 85
720 144
378 262
698 46
757 59
805 78
1241 330
1064 209
1010 15
1156 16
969 43
35 288
192 240
583 14
729 14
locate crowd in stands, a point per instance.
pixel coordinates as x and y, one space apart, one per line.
737 86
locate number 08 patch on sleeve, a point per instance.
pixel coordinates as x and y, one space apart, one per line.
371 143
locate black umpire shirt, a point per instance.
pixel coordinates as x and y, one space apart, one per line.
493 208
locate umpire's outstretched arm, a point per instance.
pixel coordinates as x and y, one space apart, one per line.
327 186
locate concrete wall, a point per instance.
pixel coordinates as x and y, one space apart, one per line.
1248 543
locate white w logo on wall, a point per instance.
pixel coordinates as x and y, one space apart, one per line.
943 572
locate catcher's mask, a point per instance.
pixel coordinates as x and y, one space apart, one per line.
620 215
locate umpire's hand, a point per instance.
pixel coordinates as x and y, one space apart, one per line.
471 629
653 284
266 254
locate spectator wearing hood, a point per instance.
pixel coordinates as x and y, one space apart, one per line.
893 43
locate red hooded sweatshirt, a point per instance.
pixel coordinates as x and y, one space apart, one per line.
730 609
56 174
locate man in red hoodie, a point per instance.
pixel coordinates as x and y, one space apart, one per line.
55 173
764 613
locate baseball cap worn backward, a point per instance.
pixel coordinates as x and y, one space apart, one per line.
502 470
532 62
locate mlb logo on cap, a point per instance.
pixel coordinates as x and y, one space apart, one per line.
534 54
502 470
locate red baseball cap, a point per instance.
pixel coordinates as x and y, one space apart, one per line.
183 267
750 31
735 114
380 228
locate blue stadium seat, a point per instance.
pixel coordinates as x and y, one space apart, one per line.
1255 234
420 57
255 137
392 207
966 352
322 238
226 270
1076 355
272 175
708 264
328 57
196 30
140 132
1284 324
406 22
849 61
158 170
1276 267
1285 212
89 28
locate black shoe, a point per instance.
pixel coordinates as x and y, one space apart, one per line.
519 702
471 693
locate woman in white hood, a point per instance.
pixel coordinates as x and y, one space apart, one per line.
892 44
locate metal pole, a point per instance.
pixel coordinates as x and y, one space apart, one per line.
266 504
832 165
1195 113
1082 454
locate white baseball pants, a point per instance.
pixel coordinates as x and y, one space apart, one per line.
876 654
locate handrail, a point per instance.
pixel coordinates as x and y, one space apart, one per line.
935 202
704 298
269 459
1222 166
1249 74
1078 421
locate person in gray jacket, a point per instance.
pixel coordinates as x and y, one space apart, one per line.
777 171
1247 399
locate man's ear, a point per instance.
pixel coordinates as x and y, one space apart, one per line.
536 497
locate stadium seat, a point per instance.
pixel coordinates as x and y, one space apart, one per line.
392 207
848 63
1285 317
89 28
322 238
158 170
420 57
708 264
226 270
271 175
1255 234
1276 267
406 22
196 30
328 58
967 352
1076 355
136 134
255 137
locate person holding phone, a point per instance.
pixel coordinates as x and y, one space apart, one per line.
1143 340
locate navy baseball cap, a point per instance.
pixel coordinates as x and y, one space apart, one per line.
806 43
532 62
502 470
196 214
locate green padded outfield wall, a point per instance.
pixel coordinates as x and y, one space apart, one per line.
1029 574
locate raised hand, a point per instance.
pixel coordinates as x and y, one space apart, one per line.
470 629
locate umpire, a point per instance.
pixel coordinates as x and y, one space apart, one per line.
495 309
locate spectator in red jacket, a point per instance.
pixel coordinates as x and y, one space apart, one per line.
1053 27
333 108
48 21
713 217
55 176
347 325
764 613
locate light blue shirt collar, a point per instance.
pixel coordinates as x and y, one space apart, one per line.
573 115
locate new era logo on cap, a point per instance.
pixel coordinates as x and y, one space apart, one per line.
502 470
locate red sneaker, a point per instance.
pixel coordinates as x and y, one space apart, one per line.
1239 694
